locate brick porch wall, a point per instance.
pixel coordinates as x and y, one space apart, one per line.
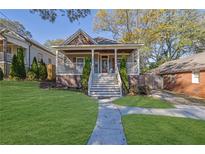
71 81
182 83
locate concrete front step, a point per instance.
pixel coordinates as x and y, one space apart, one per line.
102 93
105 83
104 86
105 96
105 90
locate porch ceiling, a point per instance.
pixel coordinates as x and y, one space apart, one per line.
105 51
98 47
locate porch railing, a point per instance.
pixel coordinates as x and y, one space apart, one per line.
6 57
90 81
119 80
70 68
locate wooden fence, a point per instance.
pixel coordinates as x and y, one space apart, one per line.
51 69
151 80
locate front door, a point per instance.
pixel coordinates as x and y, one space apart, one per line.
104 64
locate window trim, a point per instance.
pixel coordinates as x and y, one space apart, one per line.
39 57
194 79
76 60
49 61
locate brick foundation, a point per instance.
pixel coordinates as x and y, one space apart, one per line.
71 81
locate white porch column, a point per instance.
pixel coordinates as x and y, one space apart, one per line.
92 66
56 62
115 60
138 62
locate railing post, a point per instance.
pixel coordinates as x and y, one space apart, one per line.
115 60
138 62
56 62
92 60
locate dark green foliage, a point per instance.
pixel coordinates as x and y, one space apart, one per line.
18 70
124 76
86 74
144 90
34 67
1 74
14 67
21 71
52 14
42 70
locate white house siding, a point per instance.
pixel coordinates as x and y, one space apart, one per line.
34 51
16 42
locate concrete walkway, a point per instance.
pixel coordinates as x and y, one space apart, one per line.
108 129
185 111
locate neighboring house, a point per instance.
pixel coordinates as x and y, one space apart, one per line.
185 75
105 55
10 41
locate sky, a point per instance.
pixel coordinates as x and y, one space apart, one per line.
43 30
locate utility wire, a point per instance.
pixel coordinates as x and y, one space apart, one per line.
18 30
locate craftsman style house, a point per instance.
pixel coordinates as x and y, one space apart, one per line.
10 41
105 55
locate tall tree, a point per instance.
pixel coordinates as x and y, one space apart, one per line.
21 65
170 34
118 22
14 26
166 34
52 14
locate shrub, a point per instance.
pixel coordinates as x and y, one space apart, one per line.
18 70
1 74
21 71
14 67
144 90
42 70
31 75
86 74
124 76
35 68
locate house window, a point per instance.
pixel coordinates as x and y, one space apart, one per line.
39 57
118 61
80 61
195 76
49 61
9 49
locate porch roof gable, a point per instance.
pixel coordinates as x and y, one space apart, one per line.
99 46
78 36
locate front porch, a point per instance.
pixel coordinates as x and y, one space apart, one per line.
105 55
7 50
104 60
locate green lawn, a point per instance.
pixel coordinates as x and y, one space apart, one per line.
147 129
143 101
30 115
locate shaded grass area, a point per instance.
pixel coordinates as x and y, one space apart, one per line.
30 115
147 129
143 101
